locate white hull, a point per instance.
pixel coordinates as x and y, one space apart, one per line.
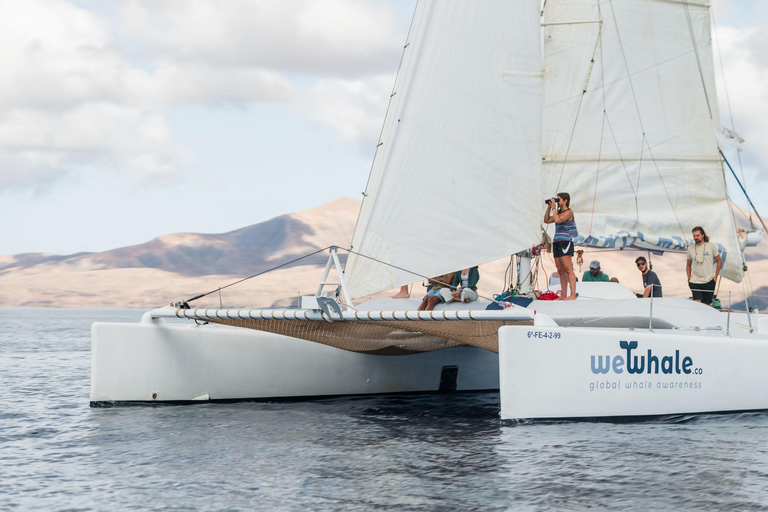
556 372
573 363
164 362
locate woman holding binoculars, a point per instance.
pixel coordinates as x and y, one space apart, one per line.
559 212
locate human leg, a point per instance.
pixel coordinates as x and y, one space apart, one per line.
433 301
709 294
571 278
563 280
696 291
468 295
403 293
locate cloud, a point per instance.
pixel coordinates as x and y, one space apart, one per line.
347 38
95 90
745 67
353 109
37 145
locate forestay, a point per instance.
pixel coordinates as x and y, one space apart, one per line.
456 177
636 151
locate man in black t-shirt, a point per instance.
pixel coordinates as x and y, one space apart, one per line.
651 281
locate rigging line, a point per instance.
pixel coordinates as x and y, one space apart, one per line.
597 175
386 114
626 65
578 110
698 57
431 280
742 189
725 86
256 275
666 192
621 158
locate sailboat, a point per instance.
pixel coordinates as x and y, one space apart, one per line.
496 106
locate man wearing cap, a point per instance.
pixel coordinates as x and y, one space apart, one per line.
651 281
594 273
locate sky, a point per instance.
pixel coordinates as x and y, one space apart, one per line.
123 120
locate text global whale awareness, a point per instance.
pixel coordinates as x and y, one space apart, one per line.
646 364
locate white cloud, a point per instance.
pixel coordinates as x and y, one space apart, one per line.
353 109
340 37
40 145
87 91
746 71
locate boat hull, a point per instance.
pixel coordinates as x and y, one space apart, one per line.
558 373
157 361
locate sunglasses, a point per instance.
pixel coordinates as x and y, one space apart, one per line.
641 264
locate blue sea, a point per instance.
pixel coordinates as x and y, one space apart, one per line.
447 452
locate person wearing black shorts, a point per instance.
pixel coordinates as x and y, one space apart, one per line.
703 266
559 213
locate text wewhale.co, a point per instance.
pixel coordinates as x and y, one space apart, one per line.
648 364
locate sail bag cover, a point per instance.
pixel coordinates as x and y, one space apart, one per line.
456 177
629 106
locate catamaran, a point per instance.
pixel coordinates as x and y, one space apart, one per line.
496 106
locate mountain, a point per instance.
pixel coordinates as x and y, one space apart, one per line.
157 271
182 265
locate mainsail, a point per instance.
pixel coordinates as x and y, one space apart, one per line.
456 177
628 115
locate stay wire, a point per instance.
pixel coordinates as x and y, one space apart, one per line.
578 110
429 279
256 275
727 95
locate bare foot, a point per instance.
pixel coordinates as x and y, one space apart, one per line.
403 293
570 297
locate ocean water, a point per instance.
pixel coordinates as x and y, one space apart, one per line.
374 453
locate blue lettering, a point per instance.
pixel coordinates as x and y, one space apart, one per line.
639 365
652 360
600 368
636 364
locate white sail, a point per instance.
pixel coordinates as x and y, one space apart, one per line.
456 177
636 151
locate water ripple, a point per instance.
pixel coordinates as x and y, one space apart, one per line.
390 453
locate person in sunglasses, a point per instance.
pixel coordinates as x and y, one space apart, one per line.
651 281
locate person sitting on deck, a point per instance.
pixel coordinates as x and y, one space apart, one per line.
464 285
651 281
594 273
440 292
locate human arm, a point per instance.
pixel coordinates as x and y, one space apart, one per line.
647 292
553 215
548 218
719 261
688 268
